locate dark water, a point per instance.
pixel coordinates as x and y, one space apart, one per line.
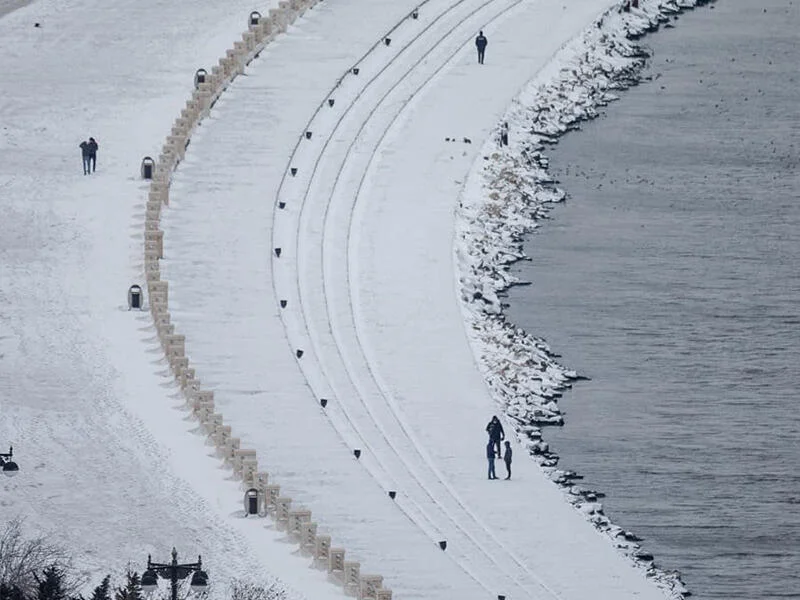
672 278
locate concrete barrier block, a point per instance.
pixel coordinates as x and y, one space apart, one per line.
282 508
297 518
186 376
308 538
351 579
322 551
178 364
336 562
370 584
272 492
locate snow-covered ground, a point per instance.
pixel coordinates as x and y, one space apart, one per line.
365 229
110 465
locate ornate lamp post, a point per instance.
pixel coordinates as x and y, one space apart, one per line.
174 572
10 468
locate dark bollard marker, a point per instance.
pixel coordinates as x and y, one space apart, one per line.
330 101
356 70
283 303
443 544
387 41
299 353
323 402
392 494
293 171
308 135
357 453
278 252
281 204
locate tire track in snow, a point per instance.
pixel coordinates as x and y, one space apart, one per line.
416 477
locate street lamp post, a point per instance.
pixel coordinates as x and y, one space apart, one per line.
174 572
9 467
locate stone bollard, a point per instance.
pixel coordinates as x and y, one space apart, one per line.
336 563
156 238
322 551
296 519
308 538
272 492
370 584
282 507
351 579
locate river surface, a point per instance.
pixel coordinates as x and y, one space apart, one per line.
671 277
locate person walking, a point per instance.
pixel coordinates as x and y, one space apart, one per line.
480 44
85 153
93 153
507 458
496 434
490 458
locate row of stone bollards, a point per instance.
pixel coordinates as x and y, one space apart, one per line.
261 497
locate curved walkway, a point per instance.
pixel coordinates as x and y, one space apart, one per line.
371 322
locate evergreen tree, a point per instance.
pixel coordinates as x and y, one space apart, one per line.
50 585
132 589
11 592
103 591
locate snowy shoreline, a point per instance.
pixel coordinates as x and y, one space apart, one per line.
504 199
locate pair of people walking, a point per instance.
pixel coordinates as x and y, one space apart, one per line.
89 153
496 436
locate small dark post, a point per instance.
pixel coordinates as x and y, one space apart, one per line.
299 353
355 70
278 252
357 453
255 17
330 101
387 41
283 303
443 544
415 14
281 204
293 171
323 402
392 494
308 135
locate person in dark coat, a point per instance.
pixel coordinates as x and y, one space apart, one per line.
507 458
490 458
496 434
93 152
480 44
85 153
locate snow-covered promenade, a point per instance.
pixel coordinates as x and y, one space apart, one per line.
372 321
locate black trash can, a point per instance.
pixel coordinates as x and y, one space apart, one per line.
251 502
148 165
135 297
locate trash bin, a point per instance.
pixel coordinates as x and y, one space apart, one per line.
251 502
200 77
148 166
135 297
